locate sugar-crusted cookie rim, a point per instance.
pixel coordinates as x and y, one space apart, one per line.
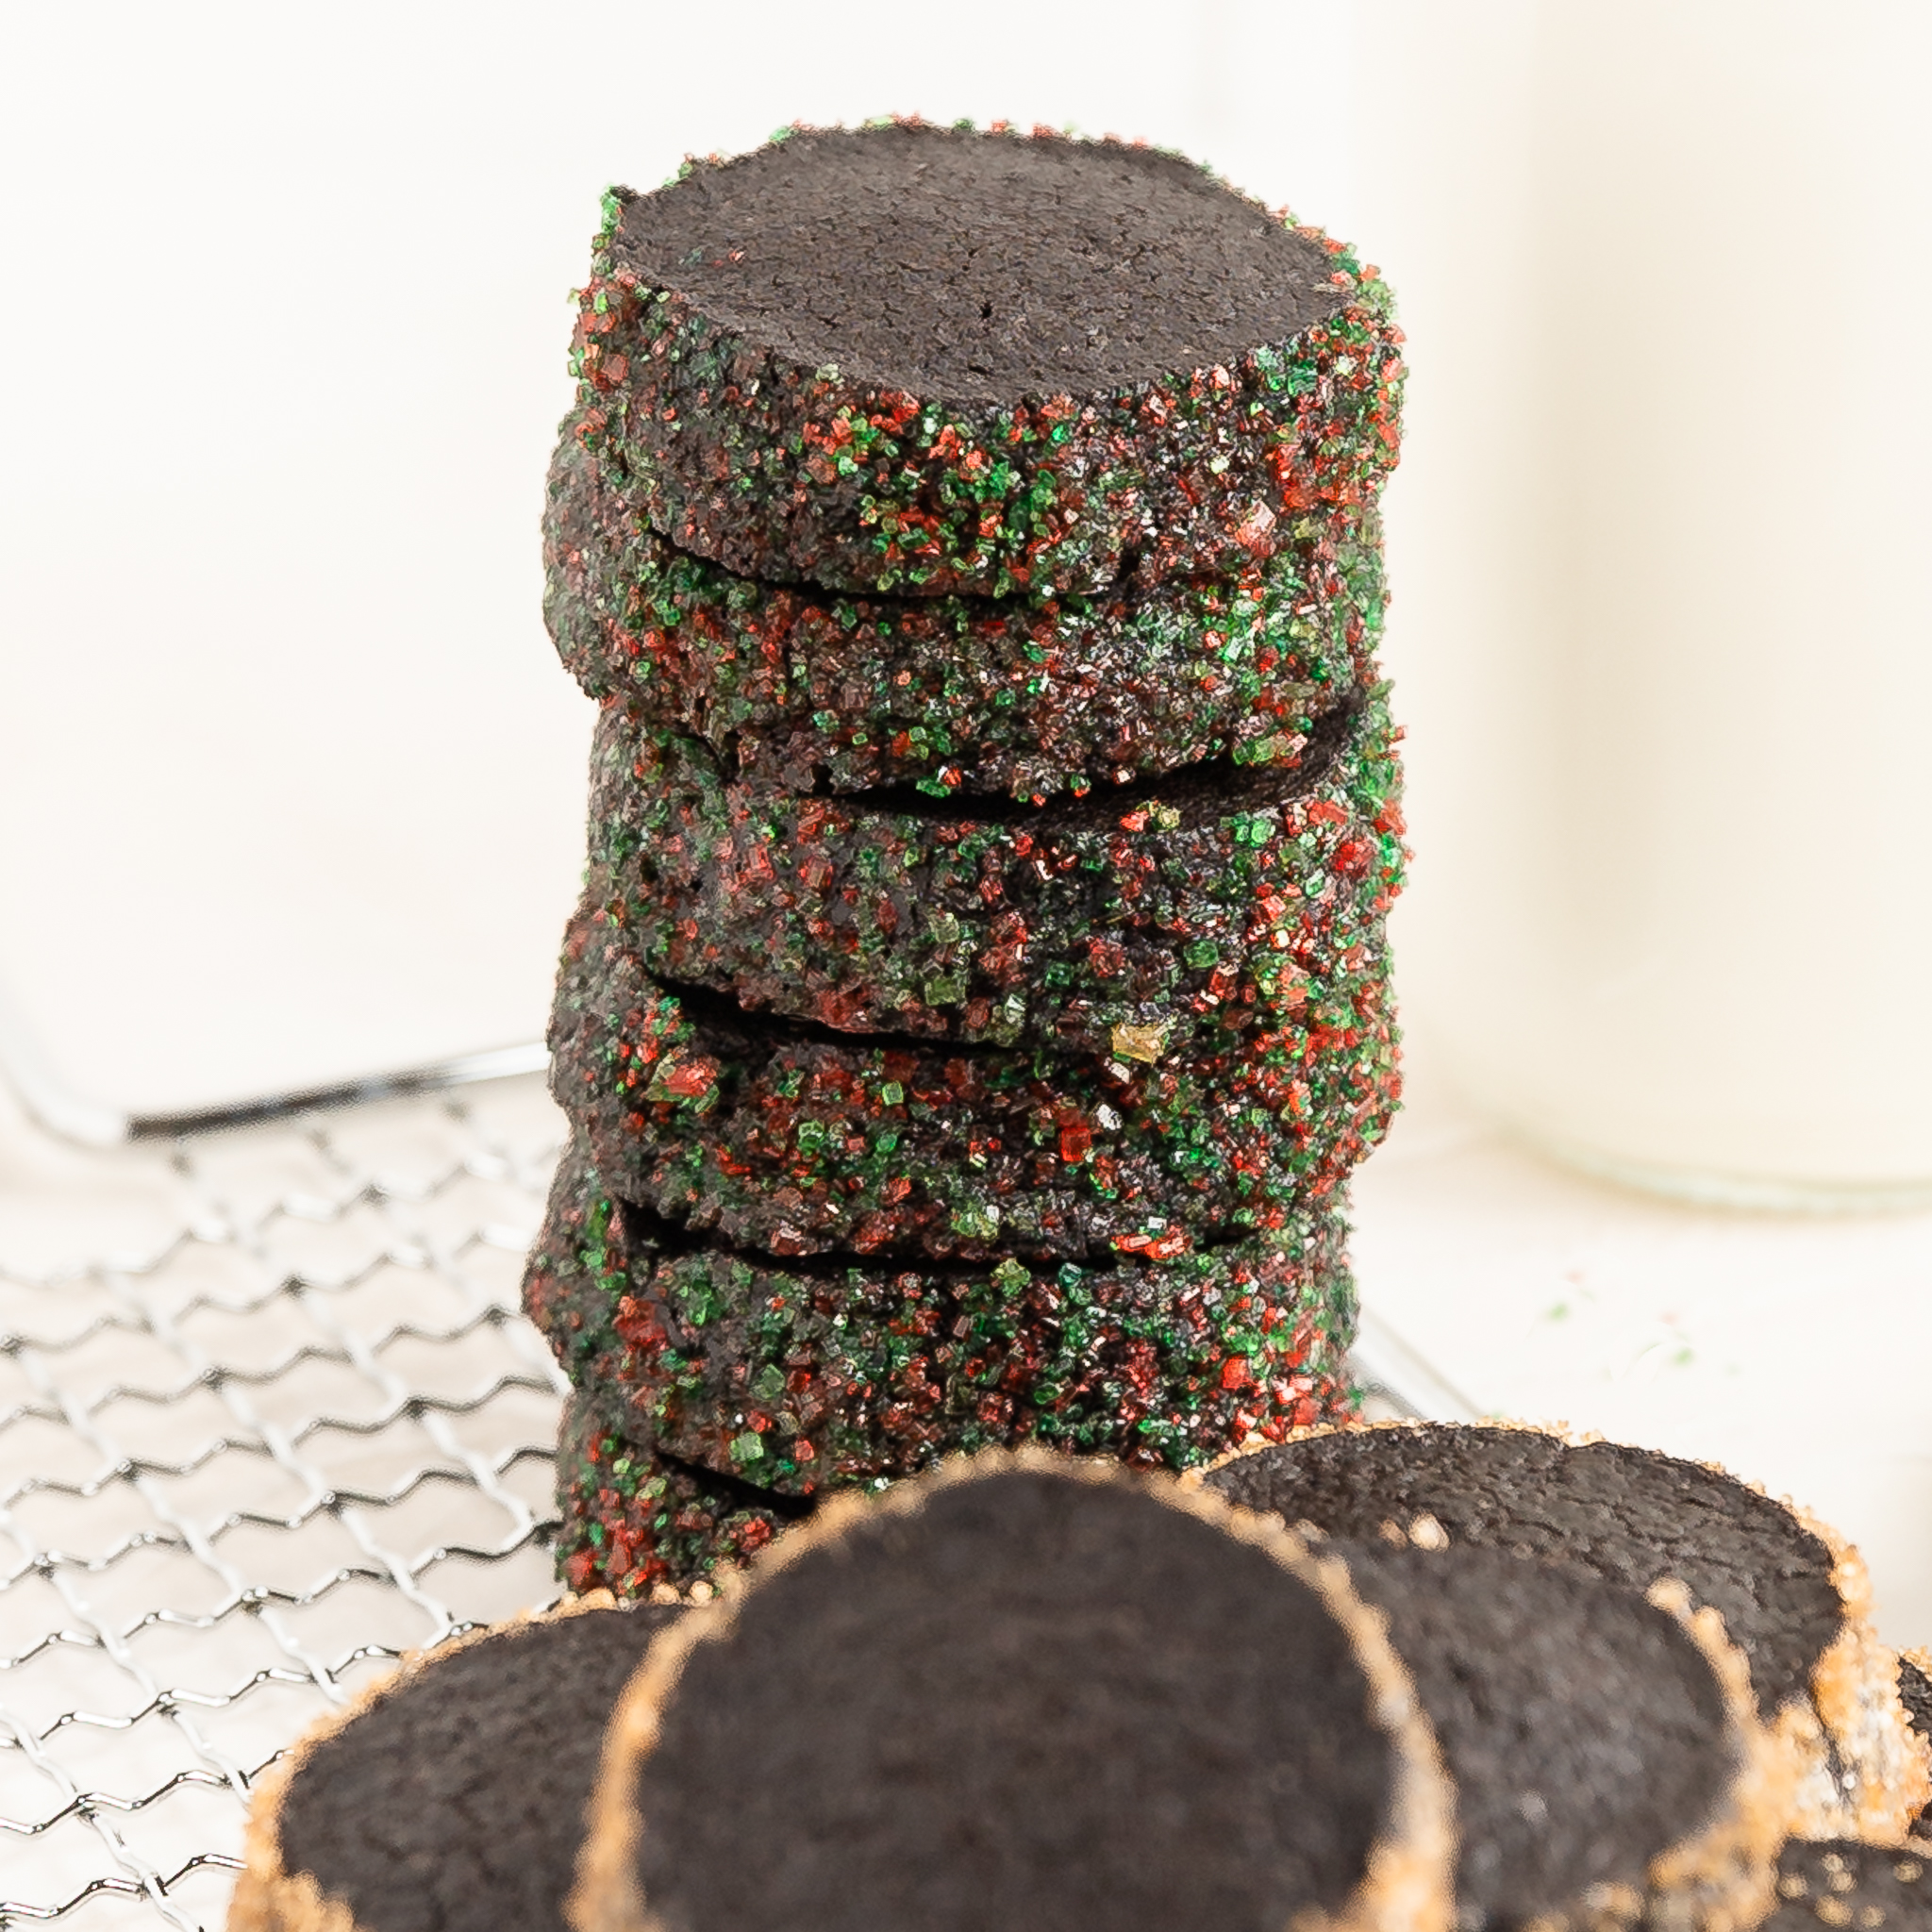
1407 1885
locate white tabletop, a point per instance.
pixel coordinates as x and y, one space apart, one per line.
1792 1349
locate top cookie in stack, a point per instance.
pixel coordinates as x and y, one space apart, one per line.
921 359
979 996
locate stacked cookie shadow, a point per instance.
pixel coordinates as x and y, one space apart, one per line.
979 994
1389 1679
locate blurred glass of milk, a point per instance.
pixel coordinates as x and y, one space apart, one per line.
1662 553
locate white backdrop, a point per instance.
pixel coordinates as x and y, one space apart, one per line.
289 781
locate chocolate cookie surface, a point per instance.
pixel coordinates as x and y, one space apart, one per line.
1630 1516
1793 1602
1588 1734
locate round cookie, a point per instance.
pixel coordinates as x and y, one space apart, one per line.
1024 697
453 1793
1123 924
1606 1753
1793 1599
789 1138
1023 1692
796 1377
1848 1887
636 1520
912 359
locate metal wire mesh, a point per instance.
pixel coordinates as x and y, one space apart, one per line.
242 1473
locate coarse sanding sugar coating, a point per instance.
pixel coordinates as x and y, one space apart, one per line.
878 1366
818 689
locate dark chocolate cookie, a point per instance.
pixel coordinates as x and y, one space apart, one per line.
799 1376
1209 900
1024 697
1596 1742
1793 1600
452 1794
924 359
1023 1695
786 1137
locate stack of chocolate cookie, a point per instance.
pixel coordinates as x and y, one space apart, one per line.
980 995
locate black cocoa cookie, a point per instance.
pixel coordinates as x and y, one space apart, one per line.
1915 1693
786 1137
1028 1695
1851 1887
635 1519
1794 1598
1601 1748
452 1794
798 1377
1026 698
1212 899
922 359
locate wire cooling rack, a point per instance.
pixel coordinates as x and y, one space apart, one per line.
244 1472
241 1473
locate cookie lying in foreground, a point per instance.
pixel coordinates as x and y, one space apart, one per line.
1793 1597
927 361
1607 1761
453 1793
1024 1691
